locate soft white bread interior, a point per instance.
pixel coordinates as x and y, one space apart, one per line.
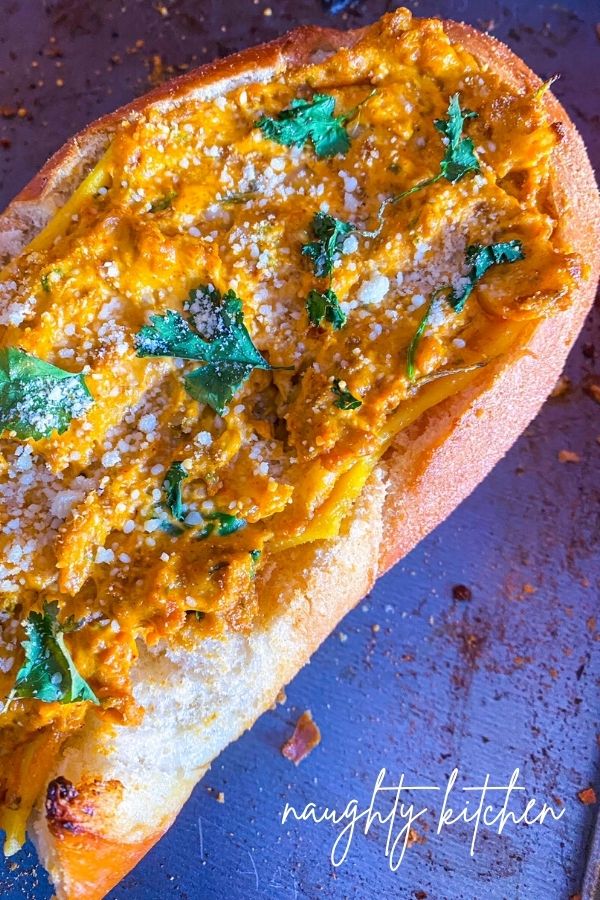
197 701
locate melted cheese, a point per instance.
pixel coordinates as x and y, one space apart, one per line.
79 511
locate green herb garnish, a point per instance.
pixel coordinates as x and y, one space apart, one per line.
217 524
312 120
330 234
479 259
230 355
416 338
344 399
326 306
48 673
458 160
255 555
162 203
172 486
46 281
221 524
37 398
238 197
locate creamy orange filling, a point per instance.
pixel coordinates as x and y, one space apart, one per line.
198 195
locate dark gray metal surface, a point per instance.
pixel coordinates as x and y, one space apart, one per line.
415 680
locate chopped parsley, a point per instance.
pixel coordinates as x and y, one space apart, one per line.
37 398
326 306
172 487
344 399
163 203
45 283
229 354
311 120
48 673
479 259
330 234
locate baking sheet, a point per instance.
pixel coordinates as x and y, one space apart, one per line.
414 680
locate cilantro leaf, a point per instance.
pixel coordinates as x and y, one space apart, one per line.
37 398
221 524
331 234
218 383
479 260
326 306
217 524
459 158
48 673
172 486
344 399
308 120
416 338
170 335
230 355
163 203
311 120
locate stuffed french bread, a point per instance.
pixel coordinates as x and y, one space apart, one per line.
260 332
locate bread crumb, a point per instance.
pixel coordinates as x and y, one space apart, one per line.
593 391
305 738
279 699
562 387
587 796
568 456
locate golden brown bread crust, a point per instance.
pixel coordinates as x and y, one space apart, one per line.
429 469
74 816
35 204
